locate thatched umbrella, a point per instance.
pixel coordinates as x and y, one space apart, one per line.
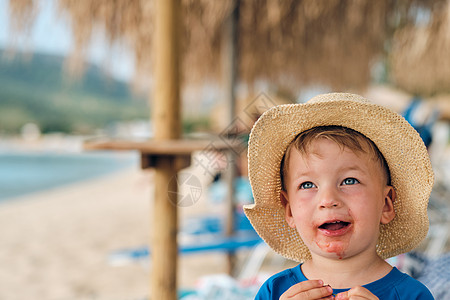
289 42
420 55
293 43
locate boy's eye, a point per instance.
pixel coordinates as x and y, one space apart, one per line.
307 185
350 181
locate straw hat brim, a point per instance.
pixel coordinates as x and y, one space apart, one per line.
404 151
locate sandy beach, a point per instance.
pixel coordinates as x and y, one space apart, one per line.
55 244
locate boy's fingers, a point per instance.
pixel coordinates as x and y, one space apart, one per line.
356 293
361 293
303 286
342 296
313 294
311 289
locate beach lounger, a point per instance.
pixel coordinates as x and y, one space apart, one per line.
199 235
424 124
217 244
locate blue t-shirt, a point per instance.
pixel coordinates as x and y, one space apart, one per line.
395 285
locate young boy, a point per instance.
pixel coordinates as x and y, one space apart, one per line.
340 185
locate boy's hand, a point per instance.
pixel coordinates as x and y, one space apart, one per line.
308 290
356 293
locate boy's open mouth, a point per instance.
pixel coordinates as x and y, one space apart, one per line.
335 225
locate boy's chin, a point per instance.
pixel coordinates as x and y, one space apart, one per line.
332 249
333 256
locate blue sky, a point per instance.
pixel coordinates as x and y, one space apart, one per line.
51 34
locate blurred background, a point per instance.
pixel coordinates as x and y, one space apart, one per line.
74 224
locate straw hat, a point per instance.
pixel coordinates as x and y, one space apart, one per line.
402 147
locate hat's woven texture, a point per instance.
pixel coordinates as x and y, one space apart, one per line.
400 144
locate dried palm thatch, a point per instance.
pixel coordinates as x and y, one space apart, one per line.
421 54
329 42
23 13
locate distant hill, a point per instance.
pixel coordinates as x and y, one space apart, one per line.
36 89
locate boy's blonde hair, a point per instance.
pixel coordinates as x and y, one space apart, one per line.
344 137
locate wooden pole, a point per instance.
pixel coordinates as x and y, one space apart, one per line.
167 125
166 102
229 71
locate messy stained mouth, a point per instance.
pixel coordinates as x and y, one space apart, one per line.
336 225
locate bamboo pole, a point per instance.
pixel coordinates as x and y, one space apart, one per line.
166 119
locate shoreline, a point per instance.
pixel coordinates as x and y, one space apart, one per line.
25 173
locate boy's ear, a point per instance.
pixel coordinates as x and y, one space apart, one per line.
287 209
388 212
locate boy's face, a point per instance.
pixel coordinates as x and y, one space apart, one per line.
336 199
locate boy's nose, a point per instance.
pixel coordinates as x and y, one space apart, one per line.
329 198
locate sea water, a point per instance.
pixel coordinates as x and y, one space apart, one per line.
24 173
